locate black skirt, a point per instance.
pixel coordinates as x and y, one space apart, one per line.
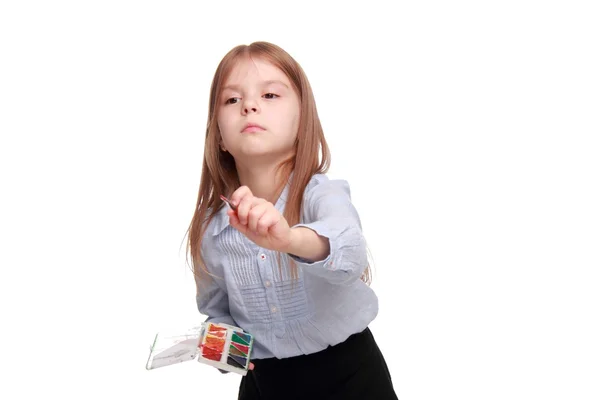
354 369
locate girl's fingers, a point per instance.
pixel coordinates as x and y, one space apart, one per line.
247 203
242 200
239 194
235 222
243 209
267 220
256 214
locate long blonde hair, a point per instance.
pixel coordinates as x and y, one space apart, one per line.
219 174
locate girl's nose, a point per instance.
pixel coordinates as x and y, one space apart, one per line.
250 106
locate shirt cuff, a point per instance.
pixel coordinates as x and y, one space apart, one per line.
320 229
347 256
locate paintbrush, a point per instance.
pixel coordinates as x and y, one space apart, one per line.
226 200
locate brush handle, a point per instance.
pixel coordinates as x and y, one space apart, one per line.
226 200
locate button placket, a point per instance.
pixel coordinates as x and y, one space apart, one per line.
264 268
266 273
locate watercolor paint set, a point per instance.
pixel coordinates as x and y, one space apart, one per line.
222 346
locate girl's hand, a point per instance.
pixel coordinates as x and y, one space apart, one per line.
259 221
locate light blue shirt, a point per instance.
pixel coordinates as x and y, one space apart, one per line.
326 304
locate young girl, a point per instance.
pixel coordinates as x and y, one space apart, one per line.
287 260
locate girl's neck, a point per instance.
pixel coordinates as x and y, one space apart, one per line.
263 181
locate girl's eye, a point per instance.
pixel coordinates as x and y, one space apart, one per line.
271 95
232 100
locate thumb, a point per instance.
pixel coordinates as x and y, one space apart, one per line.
235 222
233 219
243 229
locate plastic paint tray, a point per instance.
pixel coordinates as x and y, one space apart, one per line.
223 346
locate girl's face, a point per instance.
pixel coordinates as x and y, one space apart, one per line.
258 94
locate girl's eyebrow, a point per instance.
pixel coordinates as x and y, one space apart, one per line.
275 82
235 87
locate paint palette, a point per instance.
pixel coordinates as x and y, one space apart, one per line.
225 347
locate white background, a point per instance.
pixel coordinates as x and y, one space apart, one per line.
468 132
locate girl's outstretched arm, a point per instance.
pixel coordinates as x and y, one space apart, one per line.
330 243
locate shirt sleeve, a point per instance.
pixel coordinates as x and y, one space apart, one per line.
331 214
211 298
211 295
213 302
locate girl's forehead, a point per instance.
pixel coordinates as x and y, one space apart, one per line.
253 70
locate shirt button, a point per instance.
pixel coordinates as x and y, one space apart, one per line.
268 283
274 309
263 257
